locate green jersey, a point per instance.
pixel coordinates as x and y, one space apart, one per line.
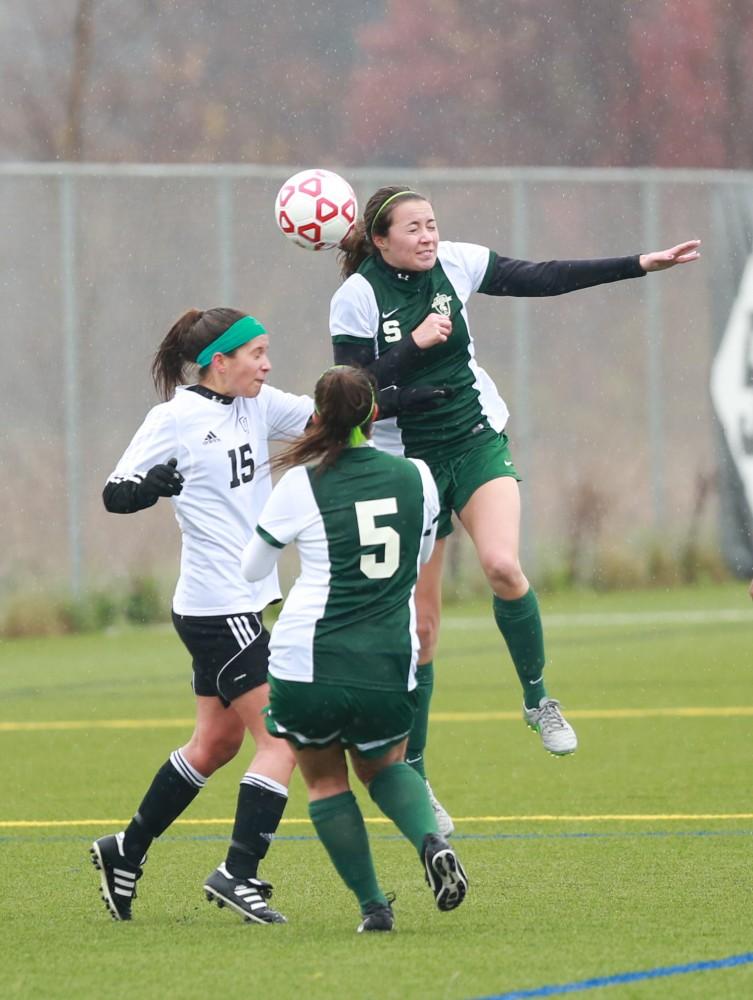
361 528
378 307
384 305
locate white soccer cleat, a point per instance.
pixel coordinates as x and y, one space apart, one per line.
444 821
556 733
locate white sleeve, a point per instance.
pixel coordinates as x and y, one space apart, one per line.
286 511
259 558
431 509
470 259
154 443
286 415
353 310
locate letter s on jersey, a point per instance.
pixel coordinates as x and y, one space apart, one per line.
391 330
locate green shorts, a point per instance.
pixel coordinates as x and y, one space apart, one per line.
318 715
458 478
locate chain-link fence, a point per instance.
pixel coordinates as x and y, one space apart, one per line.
611 420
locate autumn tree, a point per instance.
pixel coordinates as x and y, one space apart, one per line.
571 83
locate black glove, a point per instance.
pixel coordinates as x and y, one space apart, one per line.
161 481
394 400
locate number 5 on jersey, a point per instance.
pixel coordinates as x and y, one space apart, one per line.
369 533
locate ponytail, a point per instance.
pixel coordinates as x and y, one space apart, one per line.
345 405
354 250
187 337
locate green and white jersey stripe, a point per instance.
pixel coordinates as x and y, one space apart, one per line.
381 304
361 529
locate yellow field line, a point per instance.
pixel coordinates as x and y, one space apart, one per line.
22 824
729 712
605 713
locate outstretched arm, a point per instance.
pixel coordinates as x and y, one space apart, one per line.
524 278
660 260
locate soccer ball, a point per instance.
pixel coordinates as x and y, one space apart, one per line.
316 209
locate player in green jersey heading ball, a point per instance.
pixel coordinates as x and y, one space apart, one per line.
402 313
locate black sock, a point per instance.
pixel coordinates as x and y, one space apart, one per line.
174 787
261 803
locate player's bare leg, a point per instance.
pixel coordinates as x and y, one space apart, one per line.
492 519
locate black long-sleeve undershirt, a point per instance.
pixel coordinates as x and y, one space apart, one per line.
386 370
126 497
525 278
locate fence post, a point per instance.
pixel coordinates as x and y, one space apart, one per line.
67 207
654 356
521 408
225 236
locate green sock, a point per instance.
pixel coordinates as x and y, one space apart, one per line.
340 826
414 755
401 794
519 621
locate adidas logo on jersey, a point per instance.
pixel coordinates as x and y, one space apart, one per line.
210 438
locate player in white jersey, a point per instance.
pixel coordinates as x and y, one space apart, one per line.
402 312
206 448
343 651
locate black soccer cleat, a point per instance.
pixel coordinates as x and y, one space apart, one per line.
444 873
247 896
118 875
378 916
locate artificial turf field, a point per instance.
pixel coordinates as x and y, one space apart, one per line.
589 875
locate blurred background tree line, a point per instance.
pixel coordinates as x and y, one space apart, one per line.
468 83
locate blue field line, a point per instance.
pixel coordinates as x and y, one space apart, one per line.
662 972
311 837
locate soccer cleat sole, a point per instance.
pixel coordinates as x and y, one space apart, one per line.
104 891
454 881
221 901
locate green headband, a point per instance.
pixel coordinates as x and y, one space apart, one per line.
240 332
357 436
386 202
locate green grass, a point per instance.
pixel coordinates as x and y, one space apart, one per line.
553 900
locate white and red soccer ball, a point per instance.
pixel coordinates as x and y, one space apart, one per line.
316 209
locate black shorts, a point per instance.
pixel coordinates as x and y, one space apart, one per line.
230 653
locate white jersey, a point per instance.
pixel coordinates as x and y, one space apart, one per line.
222 450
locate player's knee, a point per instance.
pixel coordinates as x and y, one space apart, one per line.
504 572
213 752
427 628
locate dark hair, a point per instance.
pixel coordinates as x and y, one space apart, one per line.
358 246
187 337
344 398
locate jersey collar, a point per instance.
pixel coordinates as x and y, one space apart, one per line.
414 280
215 397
